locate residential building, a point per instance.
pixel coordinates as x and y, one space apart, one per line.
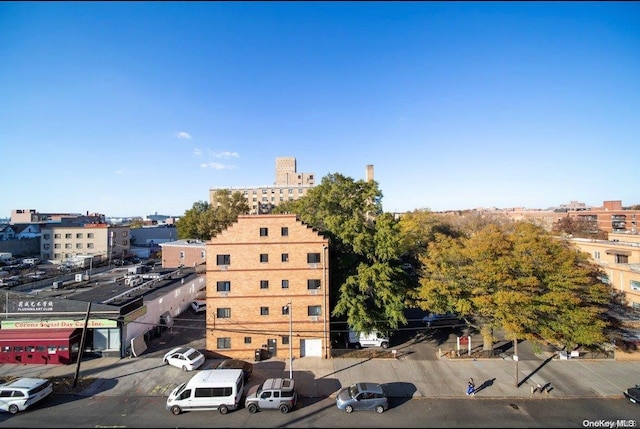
183 253
33 216
102 241
619 257
267 288
611 217
289 186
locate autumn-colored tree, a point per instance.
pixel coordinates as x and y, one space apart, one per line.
419 227
136 223
577 227
517 278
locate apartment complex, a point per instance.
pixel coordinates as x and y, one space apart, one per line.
101 241
611 217
619 258
289 186
267 289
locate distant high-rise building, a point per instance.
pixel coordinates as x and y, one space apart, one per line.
289 186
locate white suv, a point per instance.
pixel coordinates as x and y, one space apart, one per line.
274 393
21 393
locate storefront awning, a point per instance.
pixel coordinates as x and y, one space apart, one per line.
618 252
36 334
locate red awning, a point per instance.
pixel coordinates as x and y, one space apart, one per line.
36 334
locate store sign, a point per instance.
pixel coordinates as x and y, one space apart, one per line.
58 324
135 314
31 305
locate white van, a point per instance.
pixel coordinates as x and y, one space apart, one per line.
371 339
210 389
31 261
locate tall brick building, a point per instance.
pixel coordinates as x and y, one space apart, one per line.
267 276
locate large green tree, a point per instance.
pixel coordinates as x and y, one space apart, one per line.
368 287
520 279
204 220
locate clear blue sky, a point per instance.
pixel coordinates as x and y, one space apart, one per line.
135 108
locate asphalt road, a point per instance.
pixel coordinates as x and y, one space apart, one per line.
63 411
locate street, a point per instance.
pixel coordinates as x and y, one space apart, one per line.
63 411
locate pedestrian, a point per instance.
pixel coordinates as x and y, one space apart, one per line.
471 387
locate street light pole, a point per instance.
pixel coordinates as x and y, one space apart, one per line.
515 357
290 340
326 292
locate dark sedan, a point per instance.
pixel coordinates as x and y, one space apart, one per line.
633 394
246 367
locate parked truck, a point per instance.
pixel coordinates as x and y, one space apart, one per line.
5 258
367 339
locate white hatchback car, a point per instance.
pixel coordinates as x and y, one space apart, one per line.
185 358
23 392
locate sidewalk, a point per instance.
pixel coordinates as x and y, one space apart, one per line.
317 377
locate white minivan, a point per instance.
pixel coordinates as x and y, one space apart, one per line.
210 389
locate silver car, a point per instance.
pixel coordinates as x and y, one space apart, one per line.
362 396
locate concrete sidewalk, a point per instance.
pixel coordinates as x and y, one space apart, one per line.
317 377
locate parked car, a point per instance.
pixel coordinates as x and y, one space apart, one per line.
246 367
19 394
633 394
199 305
433 320
362 396
185 358
273 394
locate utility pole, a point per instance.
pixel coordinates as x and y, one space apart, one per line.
84 336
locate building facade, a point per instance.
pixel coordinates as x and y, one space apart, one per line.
611 217
619 258
267 289
289 186
101 241
183 253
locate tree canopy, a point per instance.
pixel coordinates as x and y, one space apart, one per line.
204 220
365 249
518 278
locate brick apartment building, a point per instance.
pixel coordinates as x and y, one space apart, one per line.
267 277
619 258
186 253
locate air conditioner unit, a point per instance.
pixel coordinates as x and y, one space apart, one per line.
224 293
313 265
223 267
313 318
313 291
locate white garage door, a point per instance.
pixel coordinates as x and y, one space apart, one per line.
311 347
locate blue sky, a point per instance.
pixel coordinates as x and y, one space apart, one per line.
135 108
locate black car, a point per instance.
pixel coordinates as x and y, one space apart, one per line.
633 394
246 367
